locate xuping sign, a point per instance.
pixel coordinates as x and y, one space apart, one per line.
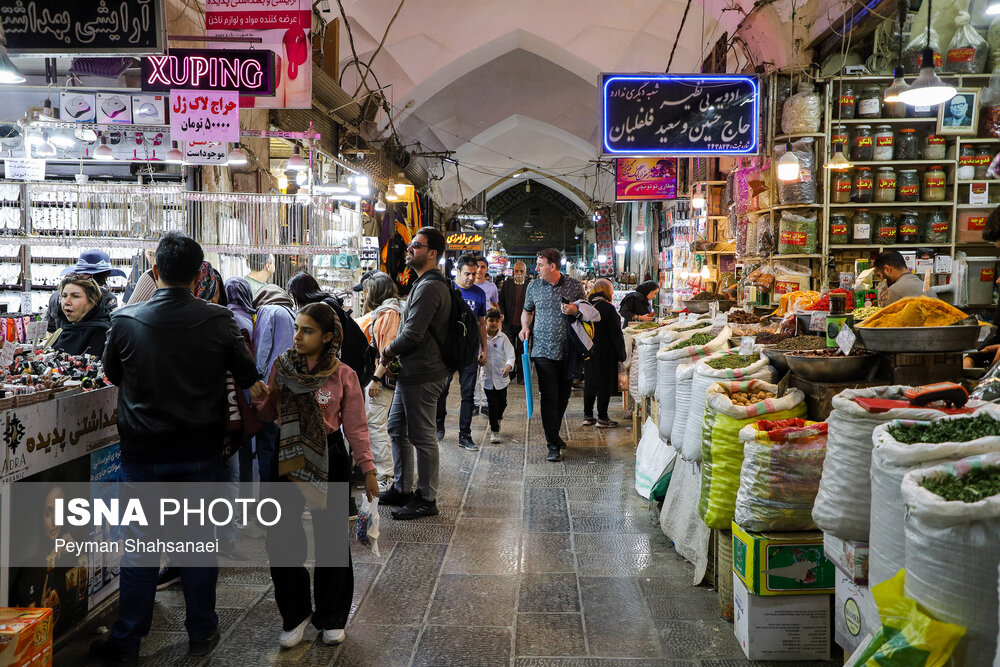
247 72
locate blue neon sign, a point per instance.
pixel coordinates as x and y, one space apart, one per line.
680 114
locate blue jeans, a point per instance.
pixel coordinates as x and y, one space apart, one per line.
467 380
266 443
137 587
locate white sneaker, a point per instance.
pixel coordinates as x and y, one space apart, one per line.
334 637
495 438
292 638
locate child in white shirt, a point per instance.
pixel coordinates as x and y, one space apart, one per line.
496 374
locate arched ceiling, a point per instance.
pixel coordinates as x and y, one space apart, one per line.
534 216
512 84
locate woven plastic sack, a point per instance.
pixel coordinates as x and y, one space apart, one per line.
952 556
653 459
782 465
802 112
803 189
633 375
679 517
891 460
667 361
843 504
704 377
649 345
967 51
721 449
682 404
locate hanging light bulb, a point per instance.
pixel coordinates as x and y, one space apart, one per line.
174 155
620 248
705 273
602 258
361 185
927 89
401 184
282 182
237 158
103 152
638 246
380 203
838 162
46 148
698 199
788 165
302 178
993 8
897 86
296 162
480 222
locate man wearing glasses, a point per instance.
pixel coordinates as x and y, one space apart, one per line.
421 379
958 112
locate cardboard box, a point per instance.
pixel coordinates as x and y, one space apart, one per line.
855 614
25 637
782 563
781 627
149 109
114 108
77 107
849 557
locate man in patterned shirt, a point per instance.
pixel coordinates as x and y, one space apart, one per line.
546 301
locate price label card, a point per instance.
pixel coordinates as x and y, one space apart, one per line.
746 345
7 354
713 308
817 321
720 320
845 339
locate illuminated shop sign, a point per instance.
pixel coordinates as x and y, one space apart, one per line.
680 114
464 241
246 72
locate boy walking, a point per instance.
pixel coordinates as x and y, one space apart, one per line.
496 374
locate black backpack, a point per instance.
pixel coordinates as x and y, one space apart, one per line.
354 349
460 346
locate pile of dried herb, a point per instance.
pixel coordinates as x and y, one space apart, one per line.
645 325
802 343
707 296
700 325
949 430
975 485
767 338
695 340
733 361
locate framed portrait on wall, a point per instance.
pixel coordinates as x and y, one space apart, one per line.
960 114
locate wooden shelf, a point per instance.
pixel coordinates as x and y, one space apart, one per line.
785 207
987 181
987 205
793 137
979 140
881 121
893 163
709 183
896 204
890 245
817 256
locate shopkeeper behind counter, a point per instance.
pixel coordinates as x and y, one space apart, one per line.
899 281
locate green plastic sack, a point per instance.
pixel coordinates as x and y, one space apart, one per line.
909 637
659 491
721 448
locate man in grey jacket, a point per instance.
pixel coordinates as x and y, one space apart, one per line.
420 381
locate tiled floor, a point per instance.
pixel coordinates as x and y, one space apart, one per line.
530 564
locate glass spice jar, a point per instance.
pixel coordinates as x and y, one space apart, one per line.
935 147
863 189
863 146
966 163
907 185
838 229
937 229
906 145
838 135
845 103
934 189
883 143
870 102
885 228
861 227
885 185
894 109
984 156
840 187
909 227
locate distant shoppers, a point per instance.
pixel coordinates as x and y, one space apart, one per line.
96 264
601 369
484 283
511 306
381 324
314 395
169 358
86 316
240 301
499 364
637 305
421 380
476 298
273 334
261 271
546 302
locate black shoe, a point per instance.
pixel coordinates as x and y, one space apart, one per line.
467 444
555 455
231 550
394 497
440 433
204 646
562 444
108 652
167 577
416 509
485 410
352 512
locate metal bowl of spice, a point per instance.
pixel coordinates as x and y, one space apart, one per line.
956 338
830 365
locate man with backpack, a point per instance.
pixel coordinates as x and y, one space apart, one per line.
476 299
423 333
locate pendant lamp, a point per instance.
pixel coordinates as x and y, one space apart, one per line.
927 89
788 165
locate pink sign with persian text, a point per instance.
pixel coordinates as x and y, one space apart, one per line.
645 178
199 115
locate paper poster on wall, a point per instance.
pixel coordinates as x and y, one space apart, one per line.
197 115
283 27
206 152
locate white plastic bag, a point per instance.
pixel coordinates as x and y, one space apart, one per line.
953 555
891 460
704 377
366 525
653 459
682 404
649 345
967 51
843 504
679 518
667 361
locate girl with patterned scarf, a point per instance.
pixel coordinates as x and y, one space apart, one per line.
313 395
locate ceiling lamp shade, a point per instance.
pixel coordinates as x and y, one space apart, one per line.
401 184
838 162
480 222
380 203
296 162
333 187
174 155
788 165
897 86
282 182
103 152
390 193
361 184
927 89
8 73
237 157
993 8
46 148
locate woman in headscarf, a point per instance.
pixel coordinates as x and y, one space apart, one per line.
637 306
239 299
273 333
313 395
601 371
88 319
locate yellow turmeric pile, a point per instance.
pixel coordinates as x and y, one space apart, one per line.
802 298
916 311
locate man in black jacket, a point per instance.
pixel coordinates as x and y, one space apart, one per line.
511 306
169 357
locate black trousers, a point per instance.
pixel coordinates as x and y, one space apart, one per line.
512 336
554 387
603 401
496 400
333 587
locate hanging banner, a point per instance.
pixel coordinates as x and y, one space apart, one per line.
206 152
680 114
201 116
250 72
283 27
71 27
645 178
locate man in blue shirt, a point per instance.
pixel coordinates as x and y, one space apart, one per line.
476 298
